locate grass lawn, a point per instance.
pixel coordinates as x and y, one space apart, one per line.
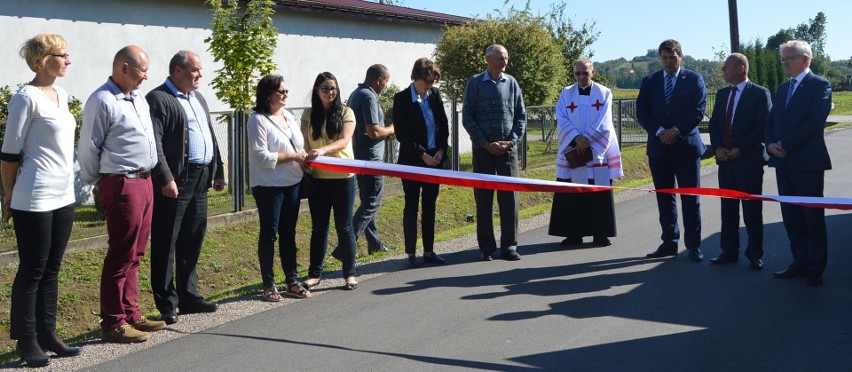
842 103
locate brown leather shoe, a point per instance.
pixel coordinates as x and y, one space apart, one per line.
125 335
147 325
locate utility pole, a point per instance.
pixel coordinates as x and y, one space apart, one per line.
735 28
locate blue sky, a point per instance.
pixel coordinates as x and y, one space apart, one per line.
630 28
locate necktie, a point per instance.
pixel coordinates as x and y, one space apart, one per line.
669 88
729 117
790 92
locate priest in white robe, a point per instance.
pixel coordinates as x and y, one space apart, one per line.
584 120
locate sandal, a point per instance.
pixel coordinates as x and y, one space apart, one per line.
311 285
271 294
298 290
350 286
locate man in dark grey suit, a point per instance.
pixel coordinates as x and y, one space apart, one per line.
736 136
794 140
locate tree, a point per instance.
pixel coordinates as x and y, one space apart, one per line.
764 65
537 58
781 37
245 44
574 41
814 33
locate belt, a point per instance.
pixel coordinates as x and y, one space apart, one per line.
137 174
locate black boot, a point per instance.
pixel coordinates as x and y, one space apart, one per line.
51 342
31 353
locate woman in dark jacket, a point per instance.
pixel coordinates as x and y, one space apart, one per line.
422 132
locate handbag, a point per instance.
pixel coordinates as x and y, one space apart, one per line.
306 185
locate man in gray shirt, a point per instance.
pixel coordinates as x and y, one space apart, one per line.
495 117
116 153
368 143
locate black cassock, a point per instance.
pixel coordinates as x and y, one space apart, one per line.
575 215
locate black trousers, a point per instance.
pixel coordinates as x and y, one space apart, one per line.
42 238
177 234
508 201
412 190
735 175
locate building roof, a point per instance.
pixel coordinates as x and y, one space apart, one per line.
371 10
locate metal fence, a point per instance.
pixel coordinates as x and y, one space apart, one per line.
541 122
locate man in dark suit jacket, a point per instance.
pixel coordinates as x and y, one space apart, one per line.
794 140
670 105
736 136
188 164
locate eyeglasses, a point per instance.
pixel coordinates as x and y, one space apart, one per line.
63 56
283 92
328 89
789 58
429 82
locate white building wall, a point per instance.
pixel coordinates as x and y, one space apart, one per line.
309 43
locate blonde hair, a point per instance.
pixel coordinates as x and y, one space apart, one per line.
36 50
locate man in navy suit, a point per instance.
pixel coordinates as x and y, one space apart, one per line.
670 105
794 140
736 136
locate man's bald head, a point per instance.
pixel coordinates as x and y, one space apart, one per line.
584 71
130 68
132 55
735 69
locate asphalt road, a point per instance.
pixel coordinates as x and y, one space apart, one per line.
594 309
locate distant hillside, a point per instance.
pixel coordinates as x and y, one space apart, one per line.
627 74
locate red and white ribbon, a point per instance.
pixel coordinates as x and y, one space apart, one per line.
506 183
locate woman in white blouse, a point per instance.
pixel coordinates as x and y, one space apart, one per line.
276 156
37 166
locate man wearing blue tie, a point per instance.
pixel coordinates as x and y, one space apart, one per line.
794 140
736 136
670 106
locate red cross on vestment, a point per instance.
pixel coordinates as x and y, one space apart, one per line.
597 105
572 107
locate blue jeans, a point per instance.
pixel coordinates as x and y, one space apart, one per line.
337 194
278 211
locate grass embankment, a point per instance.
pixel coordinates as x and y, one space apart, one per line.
842 103
228 264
